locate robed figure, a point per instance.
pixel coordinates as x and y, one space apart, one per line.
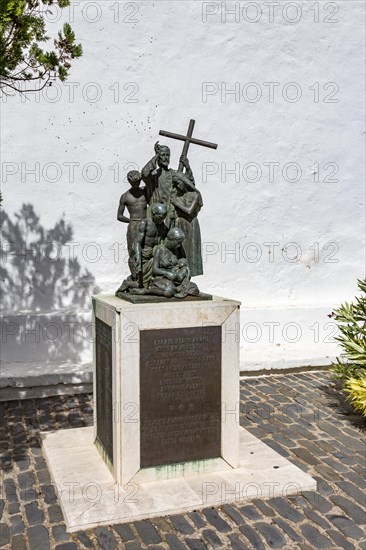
187 201
158 178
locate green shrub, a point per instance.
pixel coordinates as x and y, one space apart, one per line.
351 320
350 367
356 389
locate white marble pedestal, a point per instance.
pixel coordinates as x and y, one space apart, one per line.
143 352
166 387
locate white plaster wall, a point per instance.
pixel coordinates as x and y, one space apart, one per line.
152 64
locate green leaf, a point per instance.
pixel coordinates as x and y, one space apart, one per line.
22 32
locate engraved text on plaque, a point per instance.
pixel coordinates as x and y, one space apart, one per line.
180 395
103 345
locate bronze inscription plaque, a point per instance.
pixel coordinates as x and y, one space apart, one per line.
180 395
103 344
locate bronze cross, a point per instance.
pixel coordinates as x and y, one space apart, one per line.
187 140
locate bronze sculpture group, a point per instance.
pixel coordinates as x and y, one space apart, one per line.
163 235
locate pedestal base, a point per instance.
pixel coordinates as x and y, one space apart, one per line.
89 495
150 299
166 387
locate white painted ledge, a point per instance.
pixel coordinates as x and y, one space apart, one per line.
250 363
31 380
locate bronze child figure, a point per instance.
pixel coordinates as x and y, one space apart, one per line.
134 199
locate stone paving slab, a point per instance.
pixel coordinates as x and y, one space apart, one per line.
98 500
301 416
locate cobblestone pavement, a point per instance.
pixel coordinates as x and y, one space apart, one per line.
299 415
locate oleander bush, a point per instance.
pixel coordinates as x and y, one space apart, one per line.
350 367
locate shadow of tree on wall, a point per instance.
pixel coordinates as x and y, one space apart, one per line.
45 294
39 272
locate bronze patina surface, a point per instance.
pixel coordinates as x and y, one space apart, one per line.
180 395
150 299
163 235
104 404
